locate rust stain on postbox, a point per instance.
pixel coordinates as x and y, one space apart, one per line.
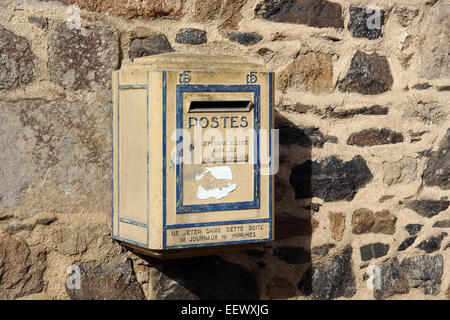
192 152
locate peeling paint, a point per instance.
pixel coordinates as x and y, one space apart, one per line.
217 193
220 172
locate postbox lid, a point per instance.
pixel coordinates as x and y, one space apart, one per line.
197 62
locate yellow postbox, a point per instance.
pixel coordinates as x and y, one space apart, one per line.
192 154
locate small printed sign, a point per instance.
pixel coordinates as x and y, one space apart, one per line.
217 234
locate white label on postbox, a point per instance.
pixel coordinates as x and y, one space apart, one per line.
219 173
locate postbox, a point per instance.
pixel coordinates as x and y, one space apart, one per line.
193 154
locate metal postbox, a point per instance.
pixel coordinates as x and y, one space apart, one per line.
192 154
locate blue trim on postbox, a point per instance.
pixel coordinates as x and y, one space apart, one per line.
218 243
148 160
133 222
269 220
164 163
271 177
119 219
133 86
255 204
218 223
231 88
118 155
136 243
112 162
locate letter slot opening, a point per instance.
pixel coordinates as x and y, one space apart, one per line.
220 106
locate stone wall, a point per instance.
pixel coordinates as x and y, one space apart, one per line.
363 187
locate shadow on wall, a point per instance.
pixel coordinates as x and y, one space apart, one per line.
291 250
258 272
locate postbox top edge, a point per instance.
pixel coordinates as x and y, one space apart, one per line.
195 61
181 57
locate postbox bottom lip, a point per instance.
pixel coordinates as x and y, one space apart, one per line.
193 252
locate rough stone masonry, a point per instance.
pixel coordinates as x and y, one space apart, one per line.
362 105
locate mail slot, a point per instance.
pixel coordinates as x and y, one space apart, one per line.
193 154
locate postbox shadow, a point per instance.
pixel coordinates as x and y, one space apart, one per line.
294 211
258 272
